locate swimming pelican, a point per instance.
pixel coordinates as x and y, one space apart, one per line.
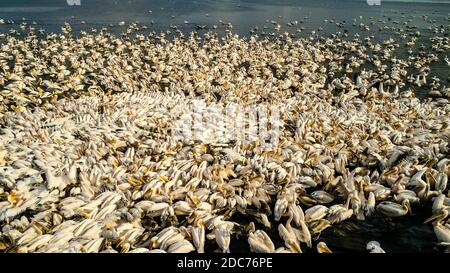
438 203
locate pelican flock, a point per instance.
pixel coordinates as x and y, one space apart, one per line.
88 161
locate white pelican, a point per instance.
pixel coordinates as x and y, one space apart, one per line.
222 235
296 214
281 206
442 231
290 235
438 203
140 250
198 236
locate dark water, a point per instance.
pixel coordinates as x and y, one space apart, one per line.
407 234
244 14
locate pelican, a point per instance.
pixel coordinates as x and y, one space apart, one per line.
198 236
297 215
290 235
222 235
447 61
315 213
140 250
438 203
339 213
281 206
181 246
370 204
374 247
